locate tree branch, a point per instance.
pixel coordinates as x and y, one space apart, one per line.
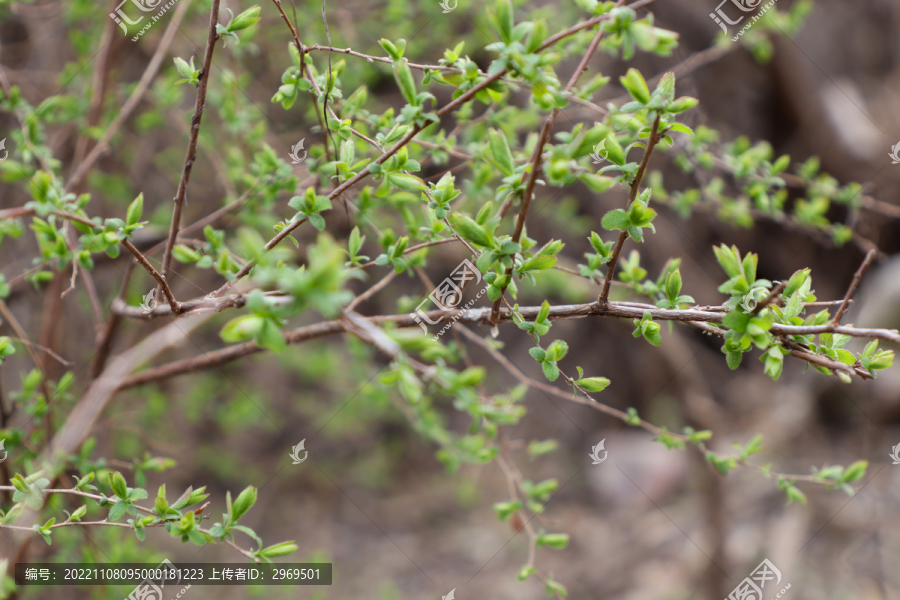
191 153
621 310
854 283
635 187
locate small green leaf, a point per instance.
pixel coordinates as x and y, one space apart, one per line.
135 209
634 82
281 549
553 540
244 20
500 151
117 484
244 502
593 384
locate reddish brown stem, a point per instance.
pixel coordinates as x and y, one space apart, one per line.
191 153
854 283
635 187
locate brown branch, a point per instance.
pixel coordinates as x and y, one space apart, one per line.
482 316
823 361
173 303
415 248
105 337
854 283
123 309
141 259
191 153
372 290
537 159
635 187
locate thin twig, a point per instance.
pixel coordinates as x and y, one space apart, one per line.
191 153
537 159
170 298
854 283
773 295
635 187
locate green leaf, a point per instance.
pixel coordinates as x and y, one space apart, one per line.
270 337
117 484
281 549
551 371
855 472
673 285
117 511
409 183
615 220
729 258
405 81
557 350
538 263
593 384
244 502
472 231
503 20
184 254
634 82
500 151
244 20
183 68
242 329
681 104
135 209
391 49
553 540
505 510
539 448
539 354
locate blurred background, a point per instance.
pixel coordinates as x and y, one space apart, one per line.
373 499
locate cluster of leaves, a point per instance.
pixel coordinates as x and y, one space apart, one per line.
748 326
761 182
121 501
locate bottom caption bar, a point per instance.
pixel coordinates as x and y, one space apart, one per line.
156 577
